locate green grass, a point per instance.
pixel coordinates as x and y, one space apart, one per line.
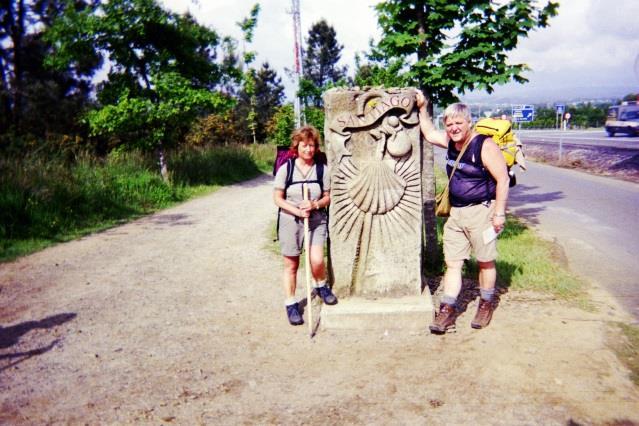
527 262
45 199
627 349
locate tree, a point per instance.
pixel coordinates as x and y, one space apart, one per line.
269 95
387 73
582 116
280 127
458 46
265 96
163 70
231 68
247 25
320 59
447 47
34 99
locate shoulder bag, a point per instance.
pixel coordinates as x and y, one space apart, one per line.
442 200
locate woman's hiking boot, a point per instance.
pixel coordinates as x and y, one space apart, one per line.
484 314
293 313
444 320
327 295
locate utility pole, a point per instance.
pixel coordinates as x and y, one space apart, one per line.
297 37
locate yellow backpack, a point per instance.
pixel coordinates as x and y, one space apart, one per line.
502 133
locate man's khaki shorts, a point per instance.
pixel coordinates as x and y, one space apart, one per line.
291 233
463 233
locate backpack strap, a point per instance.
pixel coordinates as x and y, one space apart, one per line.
290 168
477 152
319 171
479 144
289 179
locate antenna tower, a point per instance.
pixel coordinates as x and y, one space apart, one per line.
297 74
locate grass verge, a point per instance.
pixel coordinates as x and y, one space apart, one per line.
627 348
47 199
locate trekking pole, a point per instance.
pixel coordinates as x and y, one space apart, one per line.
307 267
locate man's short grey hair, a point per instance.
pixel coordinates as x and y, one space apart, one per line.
457 110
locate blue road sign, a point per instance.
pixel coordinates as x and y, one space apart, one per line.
560 108
523 113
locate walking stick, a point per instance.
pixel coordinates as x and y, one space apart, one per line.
307 267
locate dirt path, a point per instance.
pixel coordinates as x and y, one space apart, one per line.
178 318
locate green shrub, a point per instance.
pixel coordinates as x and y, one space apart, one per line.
263 155
44 198
280 127
215 129
212 166
315 117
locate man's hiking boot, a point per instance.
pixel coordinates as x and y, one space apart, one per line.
444 320
293 313
483 315
327 295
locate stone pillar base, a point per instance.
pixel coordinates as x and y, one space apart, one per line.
412 313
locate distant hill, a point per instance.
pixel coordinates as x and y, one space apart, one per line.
529 94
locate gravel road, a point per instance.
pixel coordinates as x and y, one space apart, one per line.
178 318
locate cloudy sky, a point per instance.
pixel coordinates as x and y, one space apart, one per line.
590 49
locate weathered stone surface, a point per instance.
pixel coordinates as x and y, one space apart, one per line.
413 313
374 153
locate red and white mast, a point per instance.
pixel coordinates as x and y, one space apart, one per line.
297 74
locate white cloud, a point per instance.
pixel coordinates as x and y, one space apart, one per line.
354 21
619 19
590 42
585 37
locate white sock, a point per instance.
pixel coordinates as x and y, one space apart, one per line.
290 301
320 284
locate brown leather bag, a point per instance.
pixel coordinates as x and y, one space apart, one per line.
442 203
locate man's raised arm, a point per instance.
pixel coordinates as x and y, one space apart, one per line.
431 134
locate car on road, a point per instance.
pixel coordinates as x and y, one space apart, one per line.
623 118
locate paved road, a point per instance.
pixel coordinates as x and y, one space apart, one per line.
594 218
579 137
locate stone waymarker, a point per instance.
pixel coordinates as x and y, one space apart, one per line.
375 220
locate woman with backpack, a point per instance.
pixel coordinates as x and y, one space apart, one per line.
303 168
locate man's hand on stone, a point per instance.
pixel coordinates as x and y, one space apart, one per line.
420 99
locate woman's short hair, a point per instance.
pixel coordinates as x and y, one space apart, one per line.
457 110
303 133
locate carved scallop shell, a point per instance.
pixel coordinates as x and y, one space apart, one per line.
376 189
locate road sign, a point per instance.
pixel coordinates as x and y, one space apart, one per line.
567 116
560 108
523 113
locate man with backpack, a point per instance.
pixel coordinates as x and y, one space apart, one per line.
302 168
478 195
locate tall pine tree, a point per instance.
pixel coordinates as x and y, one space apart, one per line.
268 94
320 61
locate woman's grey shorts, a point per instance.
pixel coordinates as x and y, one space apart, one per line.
291 232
